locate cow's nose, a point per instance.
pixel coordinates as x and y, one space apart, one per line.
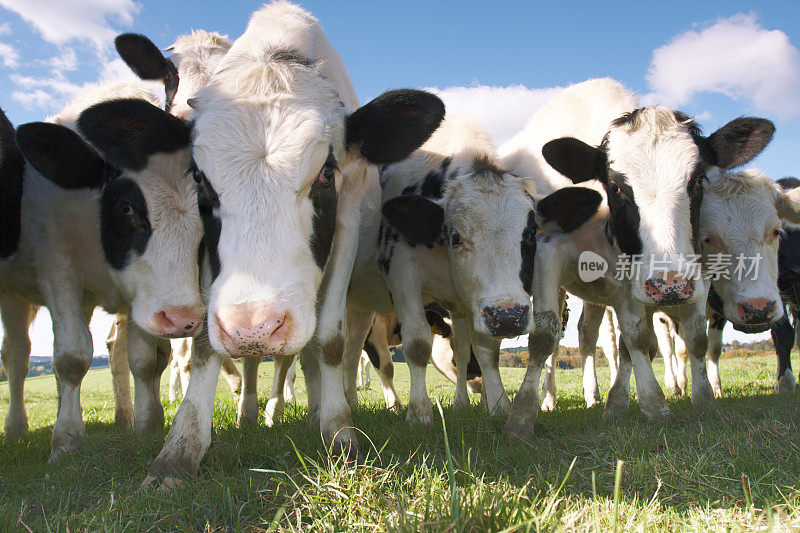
182 112
506 318
177 321
757 310
254 329
670 288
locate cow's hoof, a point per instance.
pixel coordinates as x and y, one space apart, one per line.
420 413
460 403
786 383
64 444
717 391
273 412
519 428
656 413
151 425
593 403
702 394
614 410
123 419
59 452
16 429
548 403
345 445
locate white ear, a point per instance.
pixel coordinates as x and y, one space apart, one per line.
788 206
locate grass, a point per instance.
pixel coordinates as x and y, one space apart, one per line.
734 466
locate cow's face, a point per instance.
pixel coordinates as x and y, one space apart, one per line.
487 218
272 140
150 226
739 236
653 162
195 57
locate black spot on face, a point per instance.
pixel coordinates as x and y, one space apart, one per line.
324 199
124 222
624 222
528 248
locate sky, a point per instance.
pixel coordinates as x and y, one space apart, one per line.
499 61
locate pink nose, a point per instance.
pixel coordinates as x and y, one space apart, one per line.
757 310
179 321
253 329
669 289
182 112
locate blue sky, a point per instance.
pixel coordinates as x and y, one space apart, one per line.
498 60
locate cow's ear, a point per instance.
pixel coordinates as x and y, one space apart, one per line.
788 206
737 142
146 61
575 159
393 125
128 131
568 208
62 156
416 218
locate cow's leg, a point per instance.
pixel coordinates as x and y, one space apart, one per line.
273 412
175 389
692 329
379 340
608 340
148 356
190 434
16 350
679 359
248 400
460 348
548 300
487 352
288 386
549 382
666 346
365 367
358 324
783 337
588 331
232 376
179 366
417 343
525 408
120 372
714 351
619 395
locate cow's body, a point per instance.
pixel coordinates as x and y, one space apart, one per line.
128 247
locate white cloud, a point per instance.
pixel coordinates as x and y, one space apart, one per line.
9 56
502 110
66 60
735 56
43 93
82 20
5 28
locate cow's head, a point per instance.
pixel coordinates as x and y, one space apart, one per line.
740 230
487 218
193 59
150 227
272 144
653 162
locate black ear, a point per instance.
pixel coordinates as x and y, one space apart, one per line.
738 142
146 61
128 131
395 124
569 207
574 159
416 218
60 155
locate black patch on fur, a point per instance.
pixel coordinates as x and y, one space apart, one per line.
128 131
393 125
528 248
695 191
324 199
63 157
417 219
473 367
433 184
387 239
146 61
411 189
783 337
12 169
789 182
484 163
570 207
435 319
124 223
207 203
624 221
372 352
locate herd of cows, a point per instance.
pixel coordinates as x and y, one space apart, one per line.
263 212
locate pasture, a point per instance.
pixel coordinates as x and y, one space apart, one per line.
735 465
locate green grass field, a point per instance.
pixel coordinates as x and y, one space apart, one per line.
734 466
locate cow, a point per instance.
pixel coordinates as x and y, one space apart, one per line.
457 229
282 154
109 219
193 58
650 164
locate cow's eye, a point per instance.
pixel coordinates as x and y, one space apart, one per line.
614 188
328 173
124 208
455 239
711 242
777 233
197 175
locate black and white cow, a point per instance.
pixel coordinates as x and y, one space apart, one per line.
651 164
283 155
112 222
459 230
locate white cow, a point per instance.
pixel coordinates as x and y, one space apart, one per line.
459 230
120 230
283 155
651 165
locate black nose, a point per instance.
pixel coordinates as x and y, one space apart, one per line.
506 320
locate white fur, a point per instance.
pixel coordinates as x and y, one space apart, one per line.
195 56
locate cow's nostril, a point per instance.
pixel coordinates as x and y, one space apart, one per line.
506 319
